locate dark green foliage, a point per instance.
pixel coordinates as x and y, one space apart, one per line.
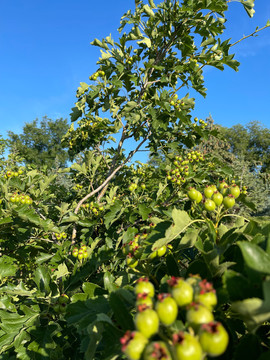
40 142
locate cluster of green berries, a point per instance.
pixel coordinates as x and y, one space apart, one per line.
203 335
130 60
61 304
202 123
95 209
98 73
60 236
80 253
10 174
213 196
20 198
177 103
133 250
77 187
182 166
132 187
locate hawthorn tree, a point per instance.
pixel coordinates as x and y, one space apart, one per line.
73 264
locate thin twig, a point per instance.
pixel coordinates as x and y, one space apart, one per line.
252 34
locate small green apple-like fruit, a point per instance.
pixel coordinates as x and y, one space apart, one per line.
213 338
193 194
147 321
157 350
181 291
133 344
186 347
197 315
144 286
167 309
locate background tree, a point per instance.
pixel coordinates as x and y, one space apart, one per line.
40 142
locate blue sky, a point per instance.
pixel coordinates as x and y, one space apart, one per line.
45 53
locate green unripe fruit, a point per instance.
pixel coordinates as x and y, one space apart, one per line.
144 286
147 322
213 338
63 299
208 192
131 262
181 291
193 194
198 315
209 205
157 350
229 201
187 347
199 198
133 344
166 308
217 198
235 191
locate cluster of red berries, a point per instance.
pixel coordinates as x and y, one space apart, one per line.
10 174
80 253
182 166
223 195
20 198
203 335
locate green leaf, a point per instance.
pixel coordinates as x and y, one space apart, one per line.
252 311
255 257
7 266
5 220
109 282
61 271
144 211
42 279
181 221
148 10
121 312
145 41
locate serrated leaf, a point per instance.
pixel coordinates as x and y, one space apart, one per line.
181 221
61 271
